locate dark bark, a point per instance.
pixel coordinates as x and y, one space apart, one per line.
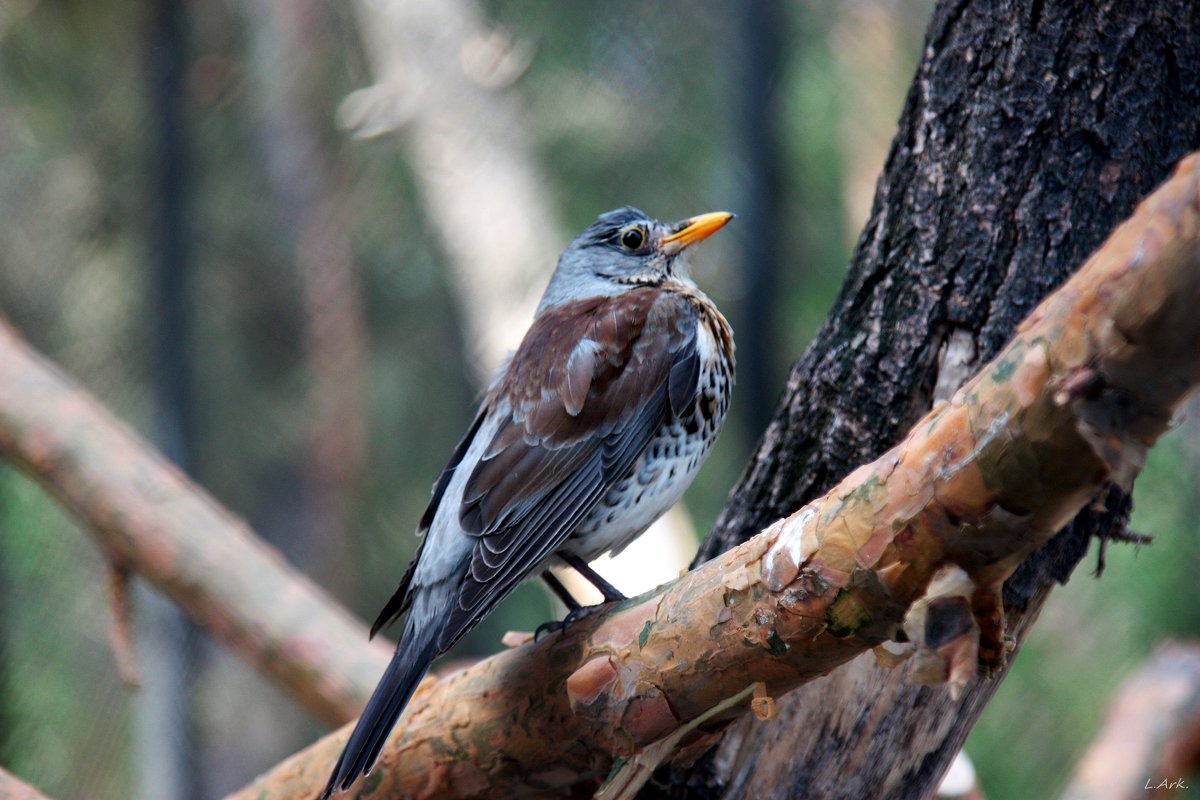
1030 130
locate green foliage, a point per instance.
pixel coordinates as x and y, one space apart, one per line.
65 718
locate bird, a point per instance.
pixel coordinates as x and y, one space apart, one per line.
593 428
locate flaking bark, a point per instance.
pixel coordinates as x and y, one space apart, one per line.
1030 130
920 540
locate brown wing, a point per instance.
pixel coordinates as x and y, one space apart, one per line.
591 384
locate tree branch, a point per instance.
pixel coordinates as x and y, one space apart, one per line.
914 546
1152 734
1006 172
149 518
13 788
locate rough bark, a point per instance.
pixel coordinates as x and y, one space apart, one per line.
1029 130
913 547
1151 737
148 517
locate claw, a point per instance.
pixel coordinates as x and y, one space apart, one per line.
574 615
552 625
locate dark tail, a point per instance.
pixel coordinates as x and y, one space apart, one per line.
416 651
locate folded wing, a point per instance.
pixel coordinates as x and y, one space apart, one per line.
591 385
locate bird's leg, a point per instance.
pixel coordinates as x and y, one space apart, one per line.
583 568
568 600
575 610
560 591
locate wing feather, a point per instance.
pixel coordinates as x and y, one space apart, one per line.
685 374
570 434
401 599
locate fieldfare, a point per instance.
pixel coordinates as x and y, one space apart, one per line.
592 430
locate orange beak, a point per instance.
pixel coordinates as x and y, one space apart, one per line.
693 230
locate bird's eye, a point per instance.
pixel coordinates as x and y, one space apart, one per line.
633 238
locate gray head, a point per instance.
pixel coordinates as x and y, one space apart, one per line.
626 248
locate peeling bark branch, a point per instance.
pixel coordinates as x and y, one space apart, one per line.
1029 131
920 540
146 514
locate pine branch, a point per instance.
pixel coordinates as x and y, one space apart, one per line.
912 547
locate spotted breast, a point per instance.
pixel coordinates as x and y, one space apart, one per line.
682 442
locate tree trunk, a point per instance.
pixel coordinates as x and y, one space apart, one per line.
1029 131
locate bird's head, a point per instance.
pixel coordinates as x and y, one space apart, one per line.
623 249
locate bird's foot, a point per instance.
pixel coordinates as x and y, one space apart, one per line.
573 616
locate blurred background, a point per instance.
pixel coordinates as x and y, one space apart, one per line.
288 241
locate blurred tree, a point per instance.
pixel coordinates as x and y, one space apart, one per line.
291 52
759 61
171 645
